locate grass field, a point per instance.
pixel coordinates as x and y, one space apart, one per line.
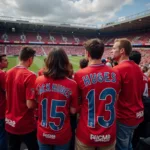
38 62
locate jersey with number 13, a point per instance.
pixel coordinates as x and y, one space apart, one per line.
99 87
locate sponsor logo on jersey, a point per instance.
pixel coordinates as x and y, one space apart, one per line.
100 138
49 136
10 122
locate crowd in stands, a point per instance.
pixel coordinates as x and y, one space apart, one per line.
112 101
136 39
70 50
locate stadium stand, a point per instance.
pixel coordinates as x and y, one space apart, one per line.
14 35
56 38
70 50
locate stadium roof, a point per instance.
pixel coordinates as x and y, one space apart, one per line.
20 24
140 21
135 22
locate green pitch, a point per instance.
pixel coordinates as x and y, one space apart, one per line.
38 62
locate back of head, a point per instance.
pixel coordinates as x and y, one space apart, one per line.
26 53
3 61
1 56
103 61
135 56
95 48
125 44
144 69
83 63
57 64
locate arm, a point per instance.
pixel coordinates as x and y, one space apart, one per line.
74 100
30 92
31 104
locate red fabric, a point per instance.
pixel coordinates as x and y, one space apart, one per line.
129 105
20 87
145 80
49 91
99 78
40 72
2 95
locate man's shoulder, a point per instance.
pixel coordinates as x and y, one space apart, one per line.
82 72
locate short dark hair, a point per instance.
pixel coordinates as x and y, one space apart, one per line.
1 56
115 63
57 64
26 53
95 47
145 69
83 63
126 44
135 56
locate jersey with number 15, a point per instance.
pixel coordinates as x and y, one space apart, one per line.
99 85
55 97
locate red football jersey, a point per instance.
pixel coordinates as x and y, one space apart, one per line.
99 85
2 95
129 106
55 97
19 88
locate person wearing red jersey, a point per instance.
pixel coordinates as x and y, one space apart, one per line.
57 96
143 127
129 107
99 86
19 122
136 57
3 139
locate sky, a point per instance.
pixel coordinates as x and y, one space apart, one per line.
91 12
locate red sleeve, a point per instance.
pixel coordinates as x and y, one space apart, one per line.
79 94
74 96
2 81
30 87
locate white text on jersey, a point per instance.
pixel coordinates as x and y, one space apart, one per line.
47 87
94 78
100 138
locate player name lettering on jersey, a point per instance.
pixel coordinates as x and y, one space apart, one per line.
10 122
47 87
49 136
140 114
100 138
94 78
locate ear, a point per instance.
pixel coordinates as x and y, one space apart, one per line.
122 51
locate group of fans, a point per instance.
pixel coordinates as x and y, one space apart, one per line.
98 107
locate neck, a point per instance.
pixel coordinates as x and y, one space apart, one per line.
94 61
24 64
123 58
